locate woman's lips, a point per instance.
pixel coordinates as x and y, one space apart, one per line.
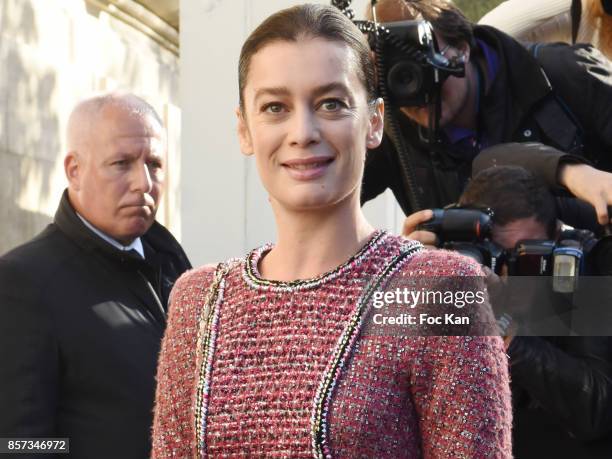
307 168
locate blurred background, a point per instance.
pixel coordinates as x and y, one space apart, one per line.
475 9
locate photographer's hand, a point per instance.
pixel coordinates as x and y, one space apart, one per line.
590 185
410 230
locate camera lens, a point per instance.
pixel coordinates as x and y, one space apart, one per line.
405 80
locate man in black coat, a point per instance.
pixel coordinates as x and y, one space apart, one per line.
555 94
83 304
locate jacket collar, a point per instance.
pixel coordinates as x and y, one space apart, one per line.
136 244
69 223
519 75
157 241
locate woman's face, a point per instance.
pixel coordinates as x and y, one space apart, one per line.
307 121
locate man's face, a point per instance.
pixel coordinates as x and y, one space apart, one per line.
455 93
116 180
524 228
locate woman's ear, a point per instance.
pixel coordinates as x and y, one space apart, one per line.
244 136
376 124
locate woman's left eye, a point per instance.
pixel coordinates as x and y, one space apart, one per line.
272 107
332 105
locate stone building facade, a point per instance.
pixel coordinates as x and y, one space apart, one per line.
56 52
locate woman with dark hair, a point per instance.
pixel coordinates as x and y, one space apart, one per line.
274 354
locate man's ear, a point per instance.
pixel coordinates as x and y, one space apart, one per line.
72 168
464 49
244 136
376 125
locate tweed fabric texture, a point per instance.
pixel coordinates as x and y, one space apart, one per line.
275 373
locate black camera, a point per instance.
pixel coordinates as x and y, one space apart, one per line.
408 60
563 259
414 69
468 231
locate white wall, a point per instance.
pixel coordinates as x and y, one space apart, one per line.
225 209
54 53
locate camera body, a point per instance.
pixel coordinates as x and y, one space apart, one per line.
414 69
468 231
410 82
563 259
408 60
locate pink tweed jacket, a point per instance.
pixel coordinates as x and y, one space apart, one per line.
251 367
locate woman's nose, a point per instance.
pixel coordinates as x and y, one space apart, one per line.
304 128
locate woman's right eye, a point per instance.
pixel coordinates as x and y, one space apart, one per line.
272 107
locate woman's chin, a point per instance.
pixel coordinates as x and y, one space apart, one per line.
313 201
309 204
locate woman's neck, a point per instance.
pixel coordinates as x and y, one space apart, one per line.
311 243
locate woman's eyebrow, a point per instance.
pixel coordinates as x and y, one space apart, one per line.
318 91
272 91
329 87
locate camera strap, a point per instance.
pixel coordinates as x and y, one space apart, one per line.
554 117
402 148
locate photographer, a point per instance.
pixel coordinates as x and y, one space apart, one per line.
562 386
556 94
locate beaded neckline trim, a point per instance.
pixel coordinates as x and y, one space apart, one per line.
252 277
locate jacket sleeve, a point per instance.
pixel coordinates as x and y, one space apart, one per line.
582 77
574 384
29 352
463 398
460 384
544 162
174 421
541 160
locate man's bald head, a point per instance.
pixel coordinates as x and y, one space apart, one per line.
88 113
114 164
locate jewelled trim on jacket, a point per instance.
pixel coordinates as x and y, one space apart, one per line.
207 335
208 330
253 278
343 349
